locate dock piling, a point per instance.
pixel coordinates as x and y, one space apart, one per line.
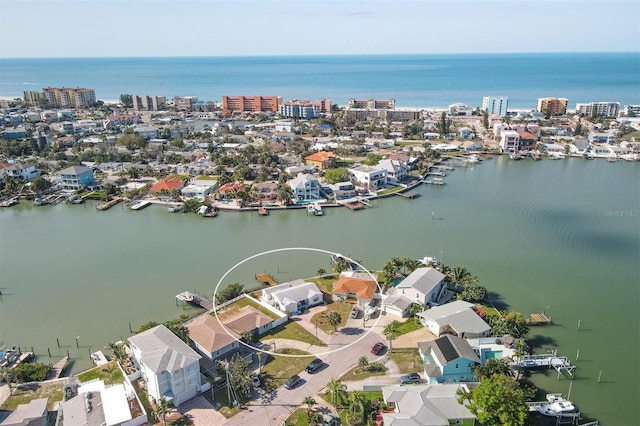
578 355
49 351
599 376
579 321
58 341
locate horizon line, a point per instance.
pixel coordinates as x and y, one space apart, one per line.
328 55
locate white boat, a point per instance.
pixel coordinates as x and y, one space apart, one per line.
557 406
140 205
556 156
429 261
315 209
473 158
612 158
202 210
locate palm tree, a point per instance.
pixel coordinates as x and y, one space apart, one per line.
337 391
363 362
334 319
359 408
392 331
162 409
309 402
118 351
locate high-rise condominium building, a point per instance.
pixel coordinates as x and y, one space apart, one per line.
552 106
495 105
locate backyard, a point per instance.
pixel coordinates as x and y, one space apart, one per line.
23 394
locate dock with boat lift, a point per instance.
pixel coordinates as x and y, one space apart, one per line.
194 299
551 360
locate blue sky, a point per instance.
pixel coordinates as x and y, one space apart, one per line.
119 28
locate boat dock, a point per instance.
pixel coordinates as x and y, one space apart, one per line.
538 319
194 299
57 369
10 202
266 279
99 359
434 181
409 194
560 363
140 205
108 204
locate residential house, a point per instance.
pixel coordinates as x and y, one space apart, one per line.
199 189
424 286
396 170
266 191
22 171
448 359
426 405
14 133
305 187
322 159
466 133
33 413
527 141
97 404
471 146
343 190
76 177
579 146
460 108
167 364
509 141
457 318
371 178
293 297
493 348
356 286
397 304
147 132
229 190
167 185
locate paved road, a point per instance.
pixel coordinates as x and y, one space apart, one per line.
274 408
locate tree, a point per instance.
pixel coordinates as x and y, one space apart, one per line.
30 372
497 400
162 409
230 292
363 362
248 337
360 409
491 367
334 319
309 401
118 351
372 159
459 275
40 184
6 375
473 293
392 331
337 391
126 100
485 119
578 129
443 126
513 324
341 265
321 271
238 378
191 205
340 174
415 308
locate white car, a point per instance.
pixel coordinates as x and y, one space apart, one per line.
355 311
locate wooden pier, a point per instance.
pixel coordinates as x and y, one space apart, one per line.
266 279
57 369
538 319
108 204
411 194
194 299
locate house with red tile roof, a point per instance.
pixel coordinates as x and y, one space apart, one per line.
321 159
168 184
228 190
353 285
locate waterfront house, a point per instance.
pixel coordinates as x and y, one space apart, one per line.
294 296
168 365
322 159
199 189
355 286
471 146
343 190
210 338
167 185
21 171
493 348
368 177
266 191
426 405
33 413
423 286
527 141
76 177
231 189
579 146
396 170
305 187
509 141
397 304
457 318
448 359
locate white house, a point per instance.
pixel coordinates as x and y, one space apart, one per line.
509 141
22 171
457 318
397 304
294 296
198 189
432 405
305 187
423 286
373 178
396 170
168 365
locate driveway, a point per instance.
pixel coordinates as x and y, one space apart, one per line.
200 412
274 408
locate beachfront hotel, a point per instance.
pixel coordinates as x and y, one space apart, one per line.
65 97
495 105
553 106
599 109
250 103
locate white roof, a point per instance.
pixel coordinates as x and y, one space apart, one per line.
458 315
161 350
115 405
422 279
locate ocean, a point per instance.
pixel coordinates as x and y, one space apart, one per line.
412 80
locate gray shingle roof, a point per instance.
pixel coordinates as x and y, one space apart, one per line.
449 348
422 279
162 350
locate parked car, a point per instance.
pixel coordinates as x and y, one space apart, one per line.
355 311
410 378
255 379
292 382
377 348
313 366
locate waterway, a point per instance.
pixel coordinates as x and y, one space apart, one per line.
559 236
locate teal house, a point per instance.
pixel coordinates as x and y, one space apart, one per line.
448 359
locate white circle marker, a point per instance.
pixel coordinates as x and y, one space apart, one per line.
264 253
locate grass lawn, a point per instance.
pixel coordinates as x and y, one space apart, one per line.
297 418
110 373
390 190
408 360
356 373
411 324
343 308
23 394
277 370
248 302
292 331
